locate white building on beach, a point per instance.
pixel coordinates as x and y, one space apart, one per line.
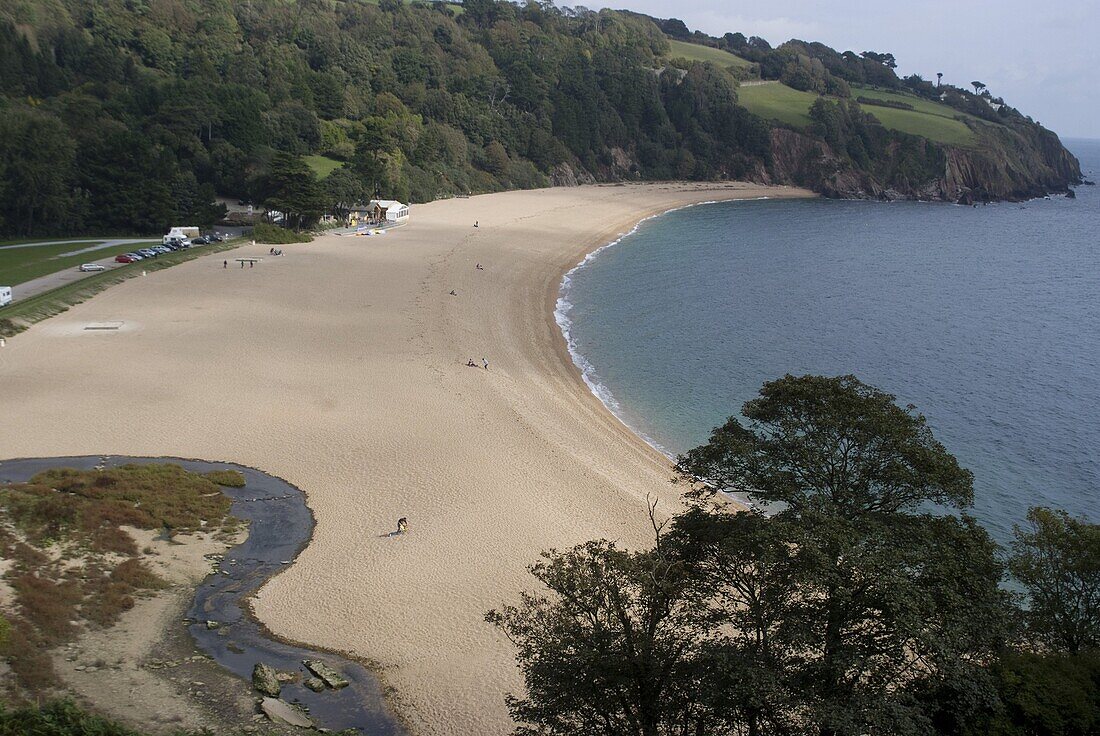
380 212
390 210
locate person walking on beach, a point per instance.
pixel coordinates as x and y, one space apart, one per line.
242 263
485 364
225 264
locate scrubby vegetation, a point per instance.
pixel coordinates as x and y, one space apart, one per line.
274 235
57 718
227 478
74 564
123 117
858 606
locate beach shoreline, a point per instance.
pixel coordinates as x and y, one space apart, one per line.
340 367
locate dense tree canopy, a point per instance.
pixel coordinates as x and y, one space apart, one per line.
123 116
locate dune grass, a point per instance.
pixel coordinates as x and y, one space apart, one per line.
19 265
78 516
695 52
322 165
227 478
928 119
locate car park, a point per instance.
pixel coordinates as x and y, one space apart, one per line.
92 267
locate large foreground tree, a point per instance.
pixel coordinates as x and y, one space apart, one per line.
845 612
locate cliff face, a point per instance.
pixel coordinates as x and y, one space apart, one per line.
1007 164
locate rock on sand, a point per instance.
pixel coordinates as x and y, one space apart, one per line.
280 711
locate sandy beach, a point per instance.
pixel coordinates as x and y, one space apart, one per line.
340 367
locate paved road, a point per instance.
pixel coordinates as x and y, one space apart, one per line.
59 278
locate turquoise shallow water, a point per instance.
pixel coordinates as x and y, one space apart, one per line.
987 319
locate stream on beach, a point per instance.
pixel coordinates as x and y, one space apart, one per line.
279 527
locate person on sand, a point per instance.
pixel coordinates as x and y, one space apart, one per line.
475 223
453 293
485 364
225 264
242 264
470 363
402 525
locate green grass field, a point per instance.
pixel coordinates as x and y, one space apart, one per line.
18 265
928 119
695 52
17 316
322 165
776 101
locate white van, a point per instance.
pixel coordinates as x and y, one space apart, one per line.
5 295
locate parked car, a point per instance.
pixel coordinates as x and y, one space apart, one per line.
161 249
126 258
92 267
147 252
217 238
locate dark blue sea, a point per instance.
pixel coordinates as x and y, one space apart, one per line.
987 319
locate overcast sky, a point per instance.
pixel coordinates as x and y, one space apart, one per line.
1042 57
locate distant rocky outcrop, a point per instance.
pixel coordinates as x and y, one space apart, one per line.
1006 164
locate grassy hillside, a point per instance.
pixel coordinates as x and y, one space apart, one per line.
931 120
695 52
775 101
322 165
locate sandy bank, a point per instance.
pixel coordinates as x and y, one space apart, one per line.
340 367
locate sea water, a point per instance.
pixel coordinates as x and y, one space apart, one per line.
986 318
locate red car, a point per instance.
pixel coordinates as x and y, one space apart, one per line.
125 259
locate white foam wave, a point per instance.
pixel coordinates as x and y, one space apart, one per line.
563 307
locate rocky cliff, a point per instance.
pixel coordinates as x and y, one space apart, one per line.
1005 164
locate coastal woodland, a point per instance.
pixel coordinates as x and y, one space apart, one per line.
126 116
866 601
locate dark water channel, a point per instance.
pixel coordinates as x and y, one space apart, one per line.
280 525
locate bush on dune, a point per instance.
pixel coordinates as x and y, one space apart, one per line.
274 235
227 478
